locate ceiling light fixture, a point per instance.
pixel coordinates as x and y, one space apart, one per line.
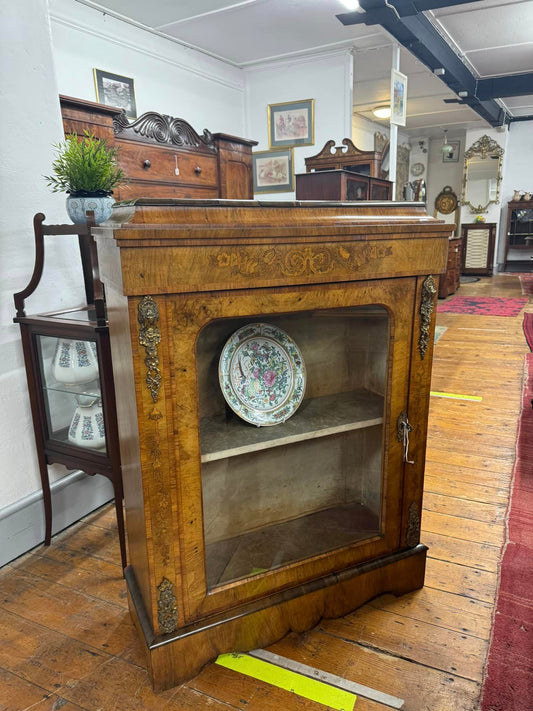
350 4
446 147
381 112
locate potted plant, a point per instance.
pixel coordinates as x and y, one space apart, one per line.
87 169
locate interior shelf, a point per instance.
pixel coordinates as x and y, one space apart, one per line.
270 547
316 417
91 389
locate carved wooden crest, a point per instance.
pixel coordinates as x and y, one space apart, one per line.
157 128
347 150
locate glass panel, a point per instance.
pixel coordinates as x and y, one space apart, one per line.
379 192
356 190
361 168
521 228
84 314
278 494
70 378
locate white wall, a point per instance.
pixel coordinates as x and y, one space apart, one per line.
325 78
517 174
47 55
363 132
168 77
30 124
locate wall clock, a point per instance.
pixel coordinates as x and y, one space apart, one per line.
446 201
418 169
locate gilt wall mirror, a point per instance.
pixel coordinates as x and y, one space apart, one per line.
482 175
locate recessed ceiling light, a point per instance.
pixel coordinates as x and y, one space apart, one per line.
381 112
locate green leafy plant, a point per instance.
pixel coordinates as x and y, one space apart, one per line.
85 166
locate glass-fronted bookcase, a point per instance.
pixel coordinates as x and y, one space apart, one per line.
272 365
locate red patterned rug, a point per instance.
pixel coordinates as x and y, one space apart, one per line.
528 330
526 281
483 305
508 678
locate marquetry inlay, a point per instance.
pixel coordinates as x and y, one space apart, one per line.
306 261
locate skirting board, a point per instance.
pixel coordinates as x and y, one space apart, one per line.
73 496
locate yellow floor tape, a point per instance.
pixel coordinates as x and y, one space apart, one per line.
455 396
289 680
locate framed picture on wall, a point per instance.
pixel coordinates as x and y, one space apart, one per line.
273 171
398 97
291 124
453 155
115 90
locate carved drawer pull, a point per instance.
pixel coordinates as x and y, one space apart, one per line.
146 164
197 170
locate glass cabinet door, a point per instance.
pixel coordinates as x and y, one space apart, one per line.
282 493
71 391
521 229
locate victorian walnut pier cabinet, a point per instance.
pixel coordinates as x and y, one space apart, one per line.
238 534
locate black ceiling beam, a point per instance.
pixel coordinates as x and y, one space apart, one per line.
500 87
417 34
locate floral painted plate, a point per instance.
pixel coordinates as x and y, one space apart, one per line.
262 374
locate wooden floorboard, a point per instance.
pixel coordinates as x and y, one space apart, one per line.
67 641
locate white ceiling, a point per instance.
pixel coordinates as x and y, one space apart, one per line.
492 38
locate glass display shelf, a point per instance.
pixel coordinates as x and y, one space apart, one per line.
91 389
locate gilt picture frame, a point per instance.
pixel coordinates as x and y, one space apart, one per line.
115 90
398 97
273 171
291 124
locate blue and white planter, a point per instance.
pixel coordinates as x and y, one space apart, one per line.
101 205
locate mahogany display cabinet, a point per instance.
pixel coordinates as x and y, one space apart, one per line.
67 356
238 533
519 236
341 185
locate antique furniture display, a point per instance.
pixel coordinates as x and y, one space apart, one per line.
164 156
341 185
450 280
519 243
478 248
333 157
70 380
239 533
482 175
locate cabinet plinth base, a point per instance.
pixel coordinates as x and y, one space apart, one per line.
177 657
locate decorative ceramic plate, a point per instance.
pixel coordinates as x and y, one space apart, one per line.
417 168
262 374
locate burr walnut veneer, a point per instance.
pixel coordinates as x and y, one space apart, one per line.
238 534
